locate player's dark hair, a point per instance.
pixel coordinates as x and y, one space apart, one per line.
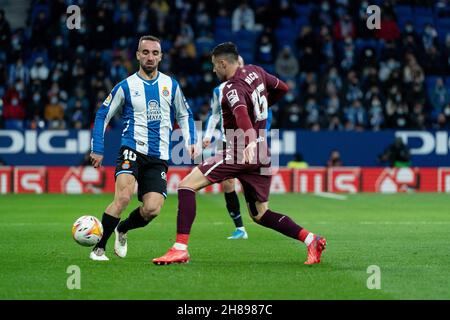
227 50
148 37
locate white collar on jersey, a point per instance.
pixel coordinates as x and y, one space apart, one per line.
145 80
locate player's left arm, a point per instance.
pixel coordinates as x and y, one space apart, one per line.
185 119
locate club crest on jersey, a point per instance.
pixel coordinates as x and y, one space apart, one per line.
165 92
107 100
232 97
153 111
126 165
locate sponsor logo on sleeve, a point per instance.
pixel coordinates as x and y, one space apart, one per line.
232 97
107 101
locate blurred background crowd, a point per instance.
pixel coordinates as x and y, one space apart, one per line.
342 75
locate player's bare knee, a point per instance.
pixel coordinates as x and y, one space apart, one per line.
150 211
185 183
122 201
228 185
256 210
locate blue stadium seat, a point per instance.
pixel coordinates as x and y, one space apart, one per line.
443 23
222 35
270 68
13 124
300 22
420 11
166 45
286 22
303 10
203 46
447 82
245 35
403 10
430 82
222 23
259 3
285 37
421 21
248 56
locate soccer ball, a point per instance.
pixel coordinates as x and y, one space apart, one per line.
87 231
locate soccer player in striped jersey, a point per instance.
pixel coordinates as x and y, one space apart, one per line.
150 102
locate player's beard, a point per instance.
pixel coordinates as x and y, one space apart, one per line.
149 70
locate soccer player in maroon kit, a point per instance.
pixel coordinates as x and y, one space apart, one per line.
246 97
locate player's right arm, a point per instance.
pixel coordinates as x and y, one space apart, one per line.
235 98
107 110
213 119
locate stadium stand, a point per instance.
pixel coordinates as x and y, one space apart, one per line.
396 77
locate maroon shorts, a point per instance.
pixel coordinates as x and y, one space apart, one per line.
253 177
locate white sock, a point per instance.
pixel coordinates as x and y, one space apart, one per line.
309 238
180 246
241 228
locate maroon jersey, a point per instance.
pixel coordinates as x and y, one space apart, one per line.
255 90
249 87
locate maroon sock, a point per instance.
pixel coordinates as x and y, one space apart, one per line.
280 223
186 210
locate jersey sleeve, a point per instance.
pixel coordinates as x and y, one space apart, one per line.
107 110
276 88
233 96
184 116
271 81
215 114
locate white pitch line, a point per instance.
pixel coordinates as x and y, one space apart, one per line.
330 195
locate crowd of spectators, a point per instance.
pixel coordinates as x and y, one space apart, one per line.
342 75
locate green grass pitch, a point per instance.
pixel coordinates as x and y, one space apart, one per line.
406 235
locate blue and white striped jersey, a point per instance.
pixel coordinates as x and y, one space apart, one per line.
149 108
216 113
215 116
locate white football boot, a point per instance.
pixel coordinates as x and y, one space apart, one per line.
98 254
120 244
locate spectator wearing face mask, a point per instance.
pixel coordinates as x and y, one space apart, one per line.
439 96
243 17
78 117
18 71
286 64
429 37
13 107
39 70
376 117
54 113
344 28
